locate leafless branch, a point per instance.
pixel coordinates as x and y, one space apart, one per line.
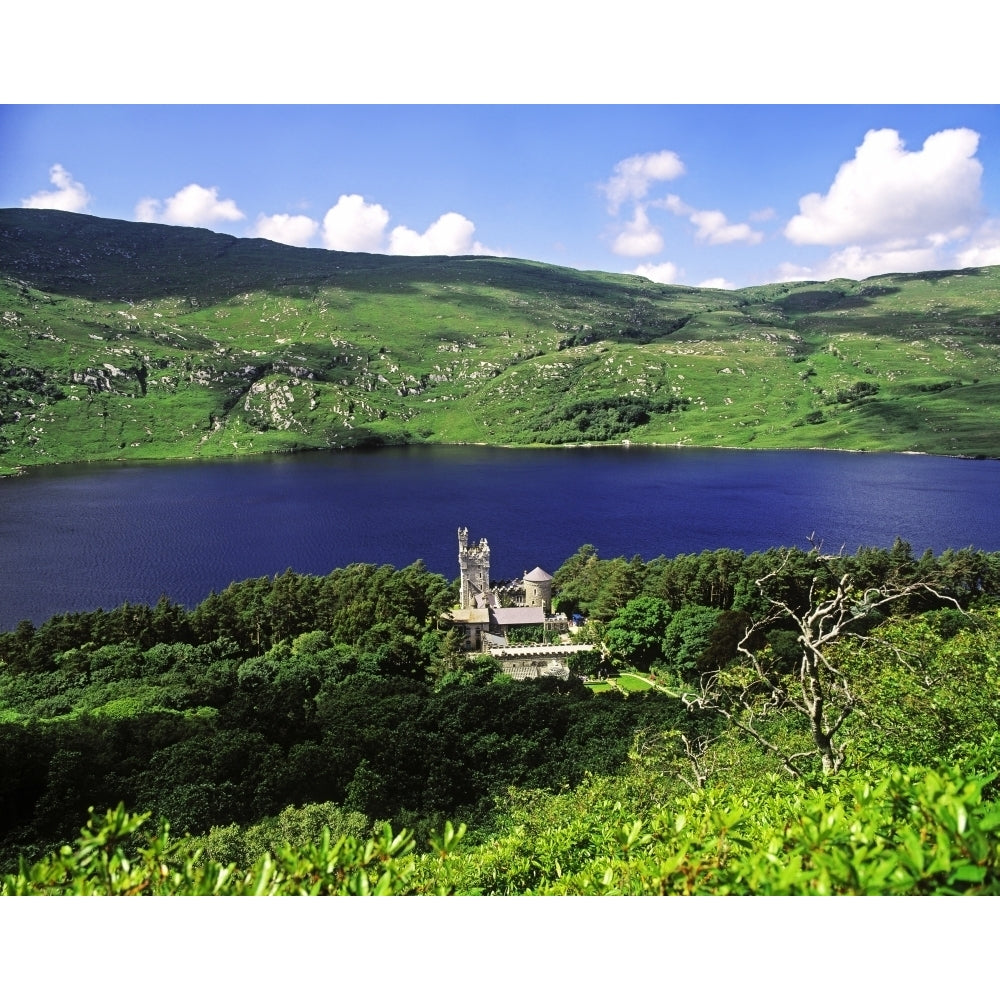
821 692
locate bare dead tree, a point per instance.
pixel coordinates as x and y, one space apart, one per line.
696 751
673 749
744 708
818 690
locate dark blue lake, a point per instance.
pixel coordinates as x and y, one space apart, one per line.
77 538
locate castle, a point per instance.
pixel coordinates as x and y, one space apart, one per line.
487 611
474 563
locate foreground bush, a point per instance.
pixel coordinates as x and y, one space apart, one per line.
916 831
102 864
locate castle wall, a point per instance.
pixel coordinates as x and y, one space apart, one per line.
522 662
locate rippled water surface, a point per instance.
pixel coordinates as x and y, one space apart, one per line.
76 538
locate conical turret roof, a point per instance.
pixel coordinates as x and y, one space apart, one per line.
537 575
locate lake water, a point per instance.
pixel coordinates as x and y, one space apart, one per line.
81 537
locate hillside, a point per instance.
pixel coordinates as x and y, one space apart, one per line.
147 341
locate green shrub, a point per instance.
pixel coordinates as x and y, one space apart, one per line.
102 864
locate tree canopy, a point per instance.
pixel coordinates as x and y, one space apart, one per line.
786 684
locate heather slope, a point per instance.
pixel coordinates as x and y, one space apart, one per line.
131 339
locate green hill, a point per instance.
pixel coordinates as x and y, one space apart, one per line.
121 339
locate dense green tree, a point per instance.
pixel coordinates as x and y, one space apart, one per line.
687 638
729 631
577 582
449 655
927 686
585 662
634 637
621 581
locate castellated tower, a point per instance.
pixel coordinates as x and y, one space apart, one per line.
474 563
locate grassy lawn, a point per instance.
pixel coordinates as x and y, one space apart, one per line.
633 682
623 682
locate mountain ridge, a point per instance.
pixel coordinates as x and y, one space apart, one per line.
141 340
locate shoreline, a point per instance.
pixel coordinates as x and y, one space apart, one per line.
21 470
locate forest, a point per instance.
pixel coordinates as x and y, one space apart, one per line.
809 723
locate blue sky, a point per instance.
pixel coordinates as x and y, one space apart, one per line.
731 195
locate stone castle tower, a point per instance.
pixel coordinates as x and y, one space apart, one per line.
538 590
474 562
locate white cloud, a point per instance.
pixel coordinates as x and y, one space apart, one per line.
451 234
295 230
631 181
675 205
639 238
147 210
193 205
716 283
860 262
355 224
664 274
69 195
889 193
712 226
983 248
352 224
789 271
632 177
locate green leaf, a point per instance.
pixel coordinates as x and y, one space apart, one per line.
968 873
990 821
